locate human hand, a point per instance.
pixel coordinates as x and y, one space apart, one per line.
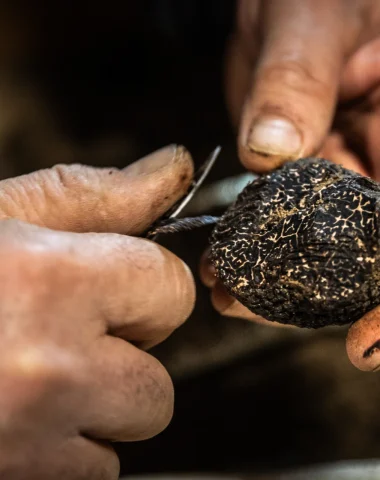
303 78
310 72
77 309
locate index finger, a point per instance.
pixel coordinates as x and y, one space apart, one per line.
126 286
143 291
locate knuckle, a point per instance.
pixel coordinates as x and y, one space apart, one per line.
68 177
31 272
83 183
30 374
296 75
77 179
45 364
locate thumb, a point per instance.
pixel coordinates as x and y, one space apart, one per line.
294 90
78 198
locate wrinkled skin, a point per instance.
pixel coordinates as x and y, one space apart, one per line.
303 79
81 298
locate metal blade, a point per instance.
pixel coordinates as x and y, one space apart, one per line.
198 180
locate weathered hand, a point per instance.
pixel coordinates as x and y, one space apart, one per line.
303 78
77 308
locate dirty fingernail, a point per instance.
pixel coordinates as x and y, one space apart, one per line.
274 136
157 160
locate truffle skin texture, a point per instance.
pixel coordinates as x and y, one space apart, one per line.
300 245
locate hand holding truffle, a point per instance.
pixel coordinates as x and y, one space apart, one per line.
300 246
303 79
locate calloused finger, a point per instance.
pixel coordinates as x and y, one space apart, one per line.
142 290
128 286
78 198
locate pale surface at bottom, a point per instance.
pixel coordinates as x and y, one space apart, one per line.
365 470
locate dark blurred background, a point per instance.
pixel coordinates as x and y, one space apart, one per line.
106 82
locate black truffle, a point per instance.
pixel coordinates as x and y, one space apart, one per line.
300 245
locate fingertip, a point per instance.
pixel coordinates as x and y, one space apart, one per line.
164 406
362 72
220 298
335 150
152 162
228 306
170 170
151 186
363 342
